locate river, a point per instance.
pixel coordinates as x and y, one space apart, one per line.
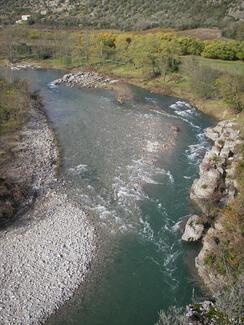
130 167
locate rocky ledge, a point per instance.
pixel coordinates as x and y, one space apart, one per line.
213 190
216 184
194 229
84 79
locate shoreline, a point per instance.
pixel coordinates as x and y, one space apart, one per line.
215 189
215 109
52 204
47 252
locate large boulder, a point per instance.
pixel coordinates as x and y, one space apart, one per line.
211 133
194 229
204 187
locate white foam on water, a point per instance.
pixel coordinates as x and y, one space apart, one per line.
181 105
178 117
78 170
151 99
171 258
51 85
147 231
176 226
187 177
196 151
102 211
164 114
186 113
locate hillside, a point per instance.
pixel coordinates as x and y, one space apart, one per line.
127 14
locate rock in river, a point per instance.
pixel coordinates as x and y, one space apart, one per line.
194 229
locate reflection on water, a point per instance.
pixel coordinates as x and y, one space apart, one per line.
131 170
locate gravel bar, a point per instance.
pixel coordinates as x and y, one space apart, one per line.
45 256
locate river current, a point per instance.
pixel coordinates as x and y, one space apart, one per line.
130 167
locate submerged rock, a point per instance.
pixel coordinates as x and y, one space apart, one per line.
194 229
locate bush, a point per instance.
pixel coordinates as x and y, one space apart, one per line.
224 50
190 46
14 104
202 79
234 30
227 309
174 316
230 88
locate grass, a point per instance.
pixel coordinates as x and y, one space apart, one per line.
233 67
178 84
14 105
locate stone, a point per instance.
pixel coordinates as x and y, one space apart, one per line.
194 229
206 185
211 134
84 79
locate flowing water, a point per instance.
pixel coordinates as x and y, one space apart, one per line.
131 171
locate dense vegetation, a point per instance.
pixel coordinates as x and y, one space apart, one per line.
14 105
155 59
129 14
15 100
80 47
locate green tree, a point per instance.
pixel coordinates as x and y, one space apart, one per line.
230 88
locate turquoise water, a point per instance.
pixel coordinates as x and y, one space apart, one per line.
116 165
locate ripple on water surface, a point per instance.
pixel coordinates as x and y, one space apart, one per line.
118 163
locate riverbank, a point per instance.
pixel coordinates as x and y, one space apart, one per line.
29 160
175 84
215 192
47 249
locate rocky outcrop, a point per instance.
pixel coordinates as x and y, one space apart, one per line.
216 184
198 313
213 190
213 280
194 229
84 79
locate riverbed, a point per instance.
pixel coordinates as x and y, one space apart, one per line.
130 167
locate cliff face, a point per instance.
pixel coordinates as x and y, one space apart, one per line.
214 192
128 14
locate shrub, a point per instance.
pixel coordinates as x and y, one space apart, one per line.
174 316
224 50
190 46
230 88
14 104
202 79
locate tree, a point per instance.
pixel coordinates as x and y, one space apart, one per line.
230 89
202 78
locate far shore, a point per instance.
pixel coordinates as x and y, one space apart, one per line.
214 108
